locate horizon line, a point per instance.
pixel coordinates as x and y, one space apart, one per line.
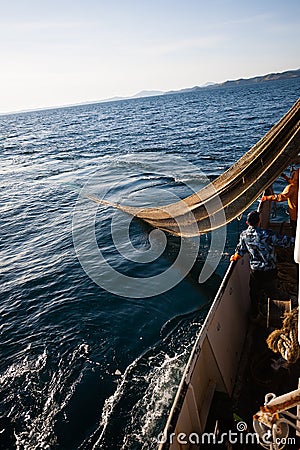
116 98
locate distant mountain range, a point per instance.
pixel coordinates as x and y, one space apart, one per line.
240 82
244 81
269 77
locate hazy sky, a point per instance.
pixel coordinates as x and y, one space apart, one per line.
63 52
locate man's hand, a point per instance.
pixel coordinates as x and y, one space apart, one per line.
235 257
265 198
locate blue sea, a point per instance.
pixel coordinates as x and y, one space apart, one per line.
86 362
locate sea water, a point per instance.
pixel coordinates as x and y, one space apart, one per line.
85 365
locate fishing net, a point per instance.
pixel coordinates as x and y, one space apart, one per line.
234 191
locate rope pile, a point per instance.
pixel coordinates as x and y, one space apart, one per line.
285 340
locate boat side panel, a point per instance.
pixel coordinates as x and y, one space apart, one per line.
206 376
228 327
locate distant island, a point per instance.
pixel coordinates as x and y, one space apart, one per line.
210 85
270 77
244 81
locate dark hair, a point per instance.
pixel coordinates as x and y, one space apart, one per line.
253 218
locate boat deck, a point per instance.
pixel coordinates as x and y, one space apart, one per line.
261 371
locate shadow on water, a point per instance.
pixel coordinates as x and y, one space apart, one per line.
134 415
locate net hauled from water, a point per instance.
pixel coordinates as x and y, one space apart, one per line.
231 193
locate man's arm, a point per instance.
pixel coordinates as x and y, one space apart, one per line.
240 250
283 196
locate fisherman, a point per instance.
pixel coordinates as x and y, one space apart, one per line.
260 244
290 193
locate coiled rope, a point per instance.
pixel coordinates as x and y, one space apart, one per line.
285 340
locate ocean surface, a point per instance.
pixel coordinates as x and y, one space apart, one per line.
89 361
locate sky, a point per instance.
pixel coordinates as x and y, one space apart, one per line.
56 53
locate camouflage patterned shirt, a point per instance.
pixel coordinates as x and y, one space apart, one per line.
260 244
